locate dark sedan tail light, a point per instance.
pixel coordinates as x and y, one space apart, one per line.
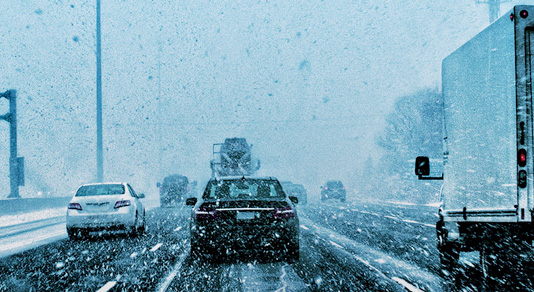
122 203
283 213
75 206
205 213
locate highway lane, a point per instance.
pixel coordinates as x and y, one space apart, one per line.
344 247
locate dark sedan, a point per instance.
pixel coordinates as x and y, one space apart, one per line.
333 189
237 214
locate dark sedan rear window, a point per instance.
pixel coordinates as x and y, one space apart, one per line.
100 190
243 189
334 184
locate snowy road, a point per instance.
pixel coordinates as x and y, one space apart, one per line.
393 251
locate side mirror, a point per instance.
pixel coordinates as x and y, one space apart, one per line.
191 201
294 199
422 169
422 165
158 185
141 196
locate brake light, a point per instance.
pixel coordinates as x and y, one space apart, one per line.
522 157
283 213
75 206
122 203
326 188
204 213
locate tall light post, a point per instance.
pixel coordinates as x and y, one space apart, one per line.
99 142
494 8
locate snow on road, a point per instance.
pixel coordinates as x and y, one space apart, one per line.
385 265
269 277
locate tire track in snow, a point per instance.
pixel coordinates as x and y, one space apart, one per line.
270 277
384 265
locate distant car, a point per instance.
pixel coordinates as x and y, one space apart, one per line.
173 190
105 206
333 189
286 184
243 213
296 190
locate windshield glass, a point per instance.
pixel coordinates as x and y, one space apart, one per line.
100 190
243 189
322 106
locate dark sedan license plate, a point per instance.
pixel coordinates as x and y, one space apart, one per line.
245 215
94 218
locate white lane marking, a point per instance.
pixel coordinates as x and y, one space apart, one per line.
178 228
415 222
107 287
168 280
133 255
284 284
395 218
304 227
406 285
262 277
371 266
335 244
156 247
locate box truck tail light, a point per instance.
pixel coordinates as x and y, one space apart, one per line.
523 14
522 157
511 16
522 180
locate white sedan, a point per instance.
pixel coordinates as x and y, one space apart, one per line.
105 206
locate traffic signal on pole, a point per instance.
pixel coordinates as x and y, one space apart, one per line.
16 165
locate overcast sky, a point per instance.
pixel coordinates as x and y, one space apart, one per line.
308 82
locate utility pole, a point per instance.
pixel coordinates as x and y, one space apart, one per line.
494 8
159 112
99 139
16 164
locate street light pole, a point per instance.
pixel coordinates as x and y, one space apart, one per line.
99 142
494 8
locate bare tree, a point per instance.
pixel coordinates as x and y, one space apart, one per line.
412 129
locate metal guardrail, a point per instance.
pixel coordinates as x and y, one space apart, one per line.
30 226
16 206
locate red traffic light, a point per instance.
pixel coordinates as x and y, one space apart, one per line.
523 14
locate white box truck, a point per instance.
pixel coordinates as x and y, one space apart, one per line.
488 163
